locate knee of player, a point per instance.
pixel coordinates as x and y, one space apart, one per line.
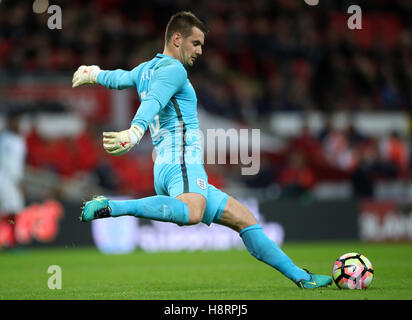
196 204
196 215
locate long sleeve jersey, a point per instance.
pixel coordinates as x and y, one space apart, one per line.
168 106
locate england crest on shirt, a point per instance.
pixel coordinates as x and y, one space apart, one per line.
201 183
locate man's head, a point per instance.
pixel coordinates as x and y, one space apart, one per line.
185 36
13 118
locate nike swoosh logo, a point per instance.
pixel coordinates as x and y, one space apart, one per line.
314 283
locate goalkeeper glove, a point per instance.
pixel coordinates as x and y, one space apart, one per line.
118 143
85 75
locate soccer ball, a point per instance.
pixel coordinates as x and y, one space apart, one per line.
352 271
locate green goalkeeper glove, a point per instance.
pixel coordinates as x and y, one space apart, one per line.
85 75
118 143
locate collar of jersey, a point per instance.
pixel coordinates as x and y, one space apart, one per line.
161 55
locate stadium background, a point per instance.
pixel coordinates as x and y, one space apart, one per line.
333 106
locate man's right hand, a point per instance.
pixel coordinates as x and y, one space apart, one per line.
85 75
118 143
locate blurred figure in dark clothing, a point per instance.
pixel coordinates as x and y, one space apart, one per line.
371 167
296 178
264 178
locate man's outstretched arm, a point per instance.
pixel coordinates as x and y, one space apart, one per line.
166 82
112 79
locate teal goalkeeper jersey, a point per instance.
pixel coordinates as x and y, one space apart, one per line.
168 107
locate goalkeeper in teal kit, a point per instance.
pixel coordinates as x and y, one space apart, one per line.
169 109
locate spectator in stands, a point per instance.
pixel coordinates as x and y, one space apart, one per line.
339 150
313 49
363 176
265 177
308 145
395 150
371 168
296 178
12 166
353 136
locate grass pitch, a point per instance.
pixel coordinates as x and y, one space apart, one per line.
212 275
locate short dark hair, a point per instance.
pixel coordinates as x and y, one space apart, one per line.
183 22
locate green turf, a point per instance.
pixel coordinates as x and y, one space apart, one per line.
88 274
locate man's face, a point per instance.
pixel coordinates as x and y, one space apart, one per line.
191 47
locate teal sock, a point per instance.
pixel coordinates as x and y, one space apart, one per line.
160 208
266 250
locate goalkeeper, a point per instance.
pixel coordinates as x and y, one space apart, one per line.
169 105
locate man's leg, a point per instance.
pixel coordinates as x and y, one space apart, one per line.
173 203
239 218
185 209
196 204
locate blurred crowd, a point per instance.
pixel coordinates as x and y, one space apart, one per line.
343 155
310 158
261 56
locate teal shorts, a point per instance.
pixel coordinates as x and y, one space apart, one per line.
175 179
